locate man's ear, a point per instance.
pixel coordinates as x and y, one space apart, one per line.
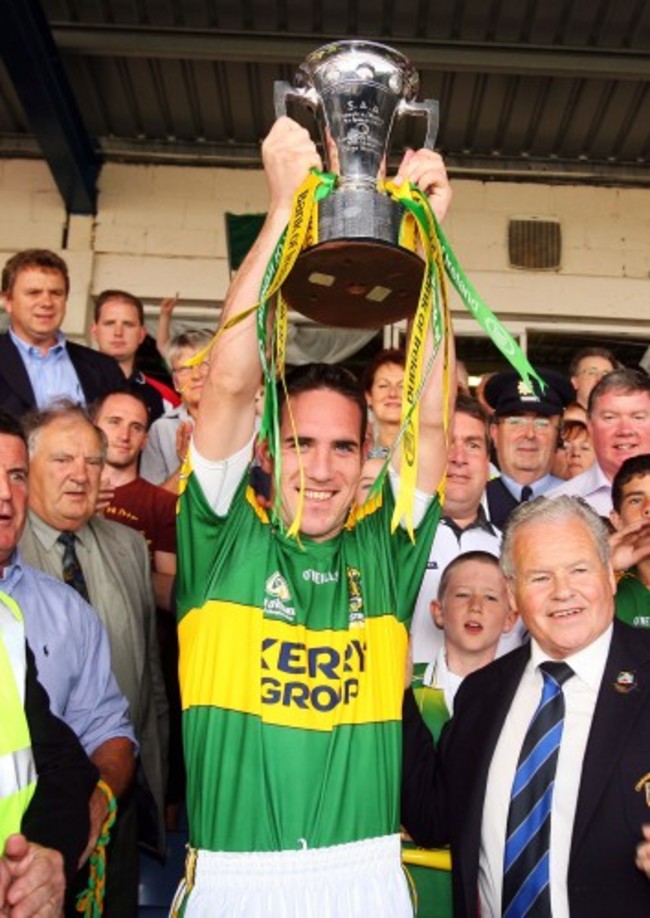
510 621
511 597
437 615
263 456
615 520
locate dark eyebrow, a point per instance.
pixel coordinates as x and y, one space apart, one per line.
354 444
303 441
638 493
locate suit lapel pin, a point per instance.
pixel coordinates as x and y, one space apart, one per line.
625 682
644 785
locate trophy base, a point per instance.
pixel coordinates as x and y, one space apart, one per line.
355 283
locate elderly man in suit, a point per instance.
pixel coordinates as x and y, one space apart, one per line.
109 565
541 781
37 364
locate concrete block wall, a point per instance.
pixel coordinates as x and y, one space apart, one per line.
161 230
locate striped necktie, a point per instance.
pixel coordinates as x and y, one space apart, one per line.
526 878
72 572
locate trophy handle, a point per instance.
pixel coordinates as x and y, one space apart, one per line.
283 91
429 109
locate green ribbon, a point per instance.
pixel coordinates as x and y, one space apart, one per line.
421 210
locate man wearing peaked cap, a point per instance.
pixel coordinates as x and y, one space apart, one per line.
524 430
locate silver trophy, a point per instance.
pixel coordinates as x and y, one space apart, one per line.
357 275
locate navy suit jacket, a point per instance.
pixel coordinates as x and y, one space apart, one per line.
444 789
500 502
98 374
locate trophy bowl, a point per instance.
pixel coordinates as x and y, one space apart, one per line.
357 275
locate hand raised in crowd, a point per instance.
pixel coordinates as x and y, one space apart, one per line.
105 495
426 169
288 153
168 304
32 882
630 544
183 437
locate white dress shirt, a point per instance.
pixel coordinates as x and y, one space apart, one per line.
593 485
438 675
580 693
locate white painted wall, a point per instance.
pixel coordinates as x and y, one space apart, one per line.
161 229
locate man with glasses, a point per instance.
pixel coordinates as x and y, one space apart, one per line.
169 436
524 429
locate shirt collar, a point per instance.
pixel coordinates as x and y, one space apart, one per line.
537 487
13 571
31 350
435 675
481 522
588 664
47 535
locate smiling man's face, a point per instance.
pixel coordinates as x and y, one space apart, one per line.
327 442
561 588
619 425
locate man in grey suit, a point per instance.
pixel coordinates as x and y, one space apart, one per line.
109 563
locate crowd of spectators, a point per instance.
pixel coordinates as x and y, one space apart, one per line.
92 561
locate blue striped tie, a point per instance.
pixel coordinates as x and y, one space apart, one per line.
526 889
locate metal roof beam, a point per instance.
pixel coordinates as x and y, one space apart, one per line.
34 66
270 48
242 156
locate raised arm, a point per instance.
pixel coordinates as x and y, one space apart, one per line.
426 169
226 416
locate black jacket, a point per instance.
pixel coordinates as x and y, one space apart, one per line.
57 816
98 374
444 790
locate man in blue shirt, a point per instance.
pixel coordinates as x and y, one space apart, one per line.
37 364
68 641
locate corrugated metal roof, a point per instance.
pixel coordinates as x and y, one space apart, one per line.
555 89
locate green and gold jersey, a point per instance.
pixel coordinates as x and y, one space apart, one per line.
292 661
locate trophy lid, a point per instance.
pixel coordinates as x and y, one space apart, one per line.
359 60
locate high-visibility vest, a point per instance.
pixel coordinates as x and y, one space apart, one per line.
17 767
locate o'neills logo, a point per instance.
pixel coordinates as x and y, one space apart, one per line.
318 678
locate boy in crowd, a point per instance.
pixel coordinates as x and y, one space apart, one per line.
631 519
473 611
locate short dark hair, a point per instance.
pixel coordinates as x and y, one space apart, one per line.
11 427
129 298
485 557
388 355
131 389
625 381
634 467
467 404
314 376
592 351
33 258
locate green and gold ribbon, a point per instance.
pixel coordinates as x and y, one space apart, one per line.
420 231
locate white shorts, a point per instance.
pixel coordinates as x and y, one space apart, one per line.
344 881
